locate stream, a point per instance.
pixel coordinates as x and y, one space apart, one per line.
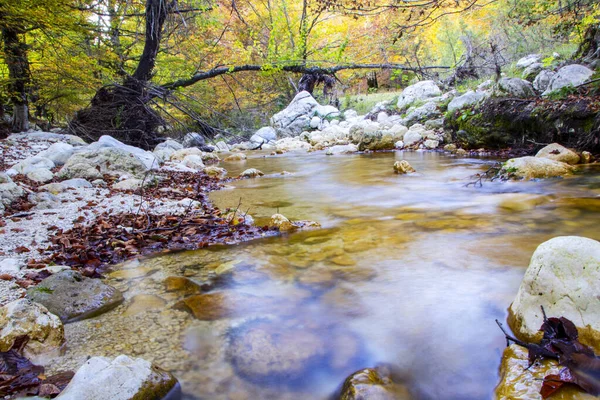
410 270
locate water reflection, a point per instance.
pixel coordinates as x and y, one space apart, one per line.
409 270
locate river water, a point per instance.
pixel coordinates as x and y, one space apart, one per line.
410 270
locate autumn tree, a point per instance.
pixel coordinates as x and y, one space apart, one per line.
20 21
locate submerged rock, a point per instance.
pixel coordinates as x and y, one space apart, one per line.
216 172
251 173
266 352
557 152
235 157
563 276
403 167
534 167
24 317
74 297
122 378
375 384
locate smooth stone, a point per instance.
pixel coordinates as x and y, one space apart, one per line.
181 285
280 222
215 172
73 297
534 167
563 276
122 378
557 152
132 273
144 302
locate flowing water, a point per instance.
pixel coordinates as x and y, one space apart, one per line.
408 270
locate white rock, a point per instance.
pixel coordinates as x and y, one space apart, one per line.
468 99
92 163
399 144
532 71
541 82
557 152
179 155
58 153
193 161
382 117
128 184
528 60
32 163
9 191
315 122
265 134
40 175
535 167
122 378
426 111
296 117
419 91
571 75
146 157
215 172
342 149
431 144
60 187
222 146
411 137
564 277
327 111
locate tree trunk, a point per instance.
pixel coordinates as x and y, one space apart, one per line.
123 111
589 49
19 75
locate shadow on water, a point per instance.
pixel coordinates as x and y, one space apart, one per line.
408 270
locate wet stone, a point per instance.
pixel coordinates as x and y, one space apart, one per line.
181 285
73 297
373 383
132 273
265 352
144 302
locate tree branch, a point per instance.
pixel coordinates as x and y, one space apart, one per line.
300 69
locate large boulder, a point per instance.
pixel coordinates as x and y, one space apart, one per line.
74 297
146 157
528 60
420 91
571 75
534 168
24 317
91 164
564 277
515 87
375 384
468 99
557 152
163 151
122 378
295 118
414 135
542 80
